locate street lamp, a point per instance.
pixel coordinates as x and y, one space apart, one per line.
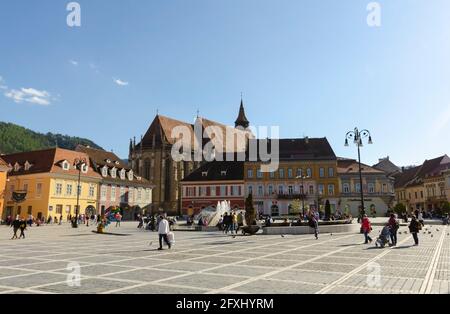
357 137
303 177
79 163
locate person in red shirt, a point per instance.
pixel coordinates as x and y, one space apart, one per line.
366 228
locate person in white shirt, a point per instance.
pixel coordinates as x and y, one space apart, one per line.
163 230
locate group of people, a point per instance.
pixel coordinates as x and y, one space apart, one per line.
231 222
388 235
18 224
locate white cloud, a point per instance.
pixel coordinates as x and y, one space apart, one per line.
73 62
29 95
120 82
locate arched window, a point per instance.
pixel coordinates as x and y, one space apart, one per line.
147 169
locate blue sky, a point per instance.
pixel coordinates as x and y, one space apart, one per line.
312 67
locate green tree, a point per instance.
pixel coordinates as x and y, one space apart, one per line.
399 208
250 212
295 207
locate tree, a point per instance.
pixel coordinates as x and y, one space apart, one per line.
295 207
327 210
250 212
400 208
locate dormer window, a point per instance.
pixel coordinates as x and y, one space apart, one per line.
130 175
65 165
27 166
16 167
108 161
122 174
204 173
139 178
113 173
223 173
84 168
117 162
105 171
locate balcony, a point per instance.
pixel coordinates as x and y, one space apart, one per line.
292 196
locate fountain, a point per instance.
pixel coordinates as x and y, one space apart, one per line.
212 215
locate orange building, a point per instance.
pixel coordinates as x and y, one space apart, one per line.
3 174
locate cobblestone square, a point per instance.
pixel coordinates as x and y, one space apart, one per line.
127 261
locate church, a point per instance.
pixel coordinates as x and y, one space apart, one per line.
151 158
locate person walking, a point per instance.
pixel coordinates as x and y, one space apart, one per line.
60 219
414 227
234 223
23 227
226 223
420 218
118 219
163 230
366 227
16 226
394 225
314 223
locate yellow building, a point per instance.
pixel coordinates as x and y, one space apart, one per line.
3 174
44 184
307 171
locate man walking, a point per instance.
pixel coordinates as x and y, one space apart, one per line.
414 227
394 225
163 230
15 225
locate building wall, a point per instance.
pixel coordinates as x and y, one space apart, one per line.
48 200
193 203
3 176
264 202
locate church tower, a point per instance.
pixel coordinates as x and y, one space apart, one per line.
242 119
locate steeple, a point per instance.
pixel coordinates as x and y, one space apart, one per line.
242 119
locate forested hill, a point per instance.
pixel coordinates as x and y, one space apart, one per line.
14 139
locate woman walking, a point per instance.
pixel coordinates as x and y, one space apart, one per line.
414 227
313 223
366 228
394 225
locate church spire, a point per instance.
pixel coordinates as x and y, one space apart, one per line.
242 119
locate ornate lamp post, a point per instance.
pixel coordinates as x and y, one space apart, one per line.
303 177
357 137
78 163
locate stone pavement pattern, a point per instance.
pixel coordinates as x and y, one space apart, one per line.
214 263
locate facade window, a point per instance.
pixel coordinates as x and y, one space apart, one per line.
38 189
250 173
272 174
290 190
113 193
79 190
131 194
139 194
281 173
311 189
280 190
103 193
212 190
147 195
236 190
68 207
58 188
113 173
346 188
202 190
122 194
302 190
321 172
260 190
250 189
259 174
320 188
421 194
105 171
371 187
309 173
330 189
384 188
290 173
358 187
270 189
59 209
331 172
91 191
299 172
69 189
